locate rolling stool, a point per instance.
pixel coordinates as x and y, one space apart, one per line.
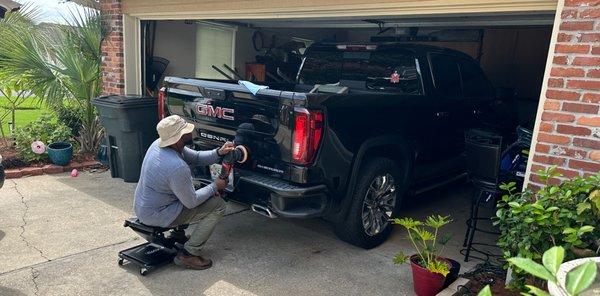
160 248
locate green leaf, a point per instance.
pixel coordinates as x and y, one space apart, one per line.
581 277
582 207
586 228
537 291
553 258
485 291
514 204
532 268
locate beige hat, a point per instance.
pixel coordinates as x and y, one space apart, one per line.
171 129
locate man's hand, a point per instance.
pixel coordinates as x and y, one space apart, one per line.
221 184
226 148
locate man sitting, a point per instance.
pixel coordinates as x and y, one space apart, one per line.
165 195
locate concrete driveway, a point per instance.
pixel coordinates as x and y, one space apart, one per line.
60 236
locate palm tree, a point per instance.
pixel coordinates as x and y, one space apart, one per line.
60 65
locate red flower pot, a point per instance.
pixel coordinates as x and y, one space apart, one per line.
425 282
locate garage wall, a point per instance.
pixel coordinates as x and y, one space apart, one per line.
176 42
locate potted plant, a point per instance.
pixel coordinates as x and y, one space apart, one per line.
60 153
429 269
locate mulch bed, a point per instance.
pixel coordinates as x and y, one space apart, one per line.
16 167
483 275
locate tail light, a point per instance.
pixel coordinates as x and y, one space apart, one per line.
161 103
308 130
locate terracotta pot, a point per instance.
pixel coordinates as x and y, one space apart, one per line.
425 282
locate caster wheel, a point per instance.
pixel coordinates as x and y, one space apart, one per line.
120 261
143 271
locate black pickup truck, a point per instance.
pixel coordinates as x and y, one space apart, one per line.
363 127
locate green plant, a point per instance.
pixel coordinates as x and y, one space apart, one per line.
63 64
14 95
71 116
43 129
577 280
424 237
566 214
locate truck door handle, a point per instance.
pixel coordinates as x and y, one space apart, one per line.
442 114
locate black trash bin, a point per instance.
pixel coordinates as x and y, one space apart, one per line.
130 124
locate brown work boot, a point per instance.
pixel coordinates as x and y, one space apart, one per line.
191 261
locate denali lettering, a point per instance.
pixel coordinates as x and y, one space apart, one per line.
269 168
218 112
213 137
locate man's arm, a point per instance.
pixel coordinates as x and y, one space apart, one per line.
180 182
200 158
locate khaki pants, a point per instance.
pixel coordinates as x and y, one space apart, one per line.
202 220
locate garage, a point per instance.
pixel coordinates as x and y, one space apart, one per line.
535 54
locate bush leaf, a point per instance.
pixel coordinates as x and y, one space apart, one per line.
533 268
537 291
485 291
553 258
581 277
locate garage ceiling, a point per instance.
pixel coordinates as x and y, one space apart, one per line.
496 20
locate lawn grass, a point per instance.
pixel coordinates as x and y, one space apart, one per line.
29 111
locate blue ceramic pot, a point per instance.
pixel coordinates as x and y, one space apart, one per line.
60 153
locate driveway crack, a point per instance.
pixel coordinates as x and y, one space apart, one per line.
34 275
22 226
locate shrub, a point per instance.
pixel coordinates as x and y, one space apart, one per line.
557 215
72 117
43 129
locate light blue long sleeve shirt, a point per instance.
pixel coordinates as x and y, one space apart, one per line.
165 184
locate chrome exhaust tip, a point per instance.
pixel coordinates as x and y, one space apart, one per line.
262 210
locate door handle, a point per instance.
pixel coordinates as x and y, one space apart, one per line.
442 114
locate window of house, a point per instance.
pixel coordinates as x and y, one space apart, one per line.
446 75
215 45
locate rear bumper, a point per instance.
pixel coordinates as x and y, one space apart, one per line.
289 200
283 198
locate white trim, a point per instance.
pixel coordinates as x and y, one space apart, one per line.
132 50
540 110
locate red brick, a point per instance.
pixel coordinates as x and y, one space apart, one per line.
561 60
596 50
552 160
593 73
580 108
556 82
558 117
575 153
586 143
589 121
591 98
541 148
584 84
554 139
577 26
562 95
568 48
90 163
567 173
564 37
13 173
586 61
592 13
584 165
32 171
73 165
589 37
552 105
595 155
573 130
580 3
52 169
567 72
568 14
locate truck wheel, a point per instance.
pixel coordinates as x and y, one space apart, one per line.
376 199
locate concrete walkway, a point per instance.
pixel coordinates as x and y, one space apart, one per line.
60 236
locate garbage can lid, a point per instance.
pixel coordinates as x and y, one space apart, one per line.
124 101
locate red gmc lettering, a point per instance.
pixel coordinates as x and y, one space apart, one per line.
218 112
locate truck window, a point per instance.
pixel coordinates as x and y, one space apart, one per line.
474 81
446 75
379 70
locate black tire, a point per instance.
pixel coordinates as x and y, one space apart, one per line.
352 229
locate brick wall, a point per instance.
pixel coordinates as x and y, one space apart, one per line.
569 131
113 76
